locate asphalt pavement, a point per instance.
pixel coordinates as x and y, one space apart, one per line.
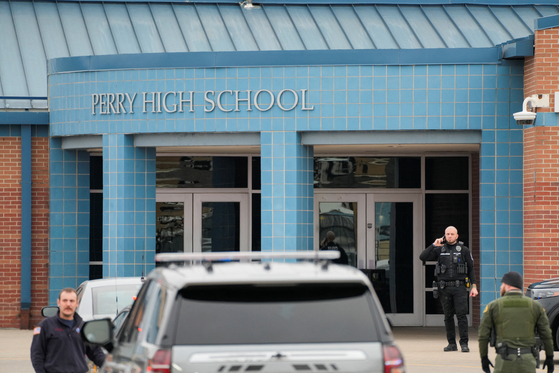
422 348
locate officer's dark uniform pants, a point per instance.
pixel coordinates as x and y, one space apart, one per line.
455 301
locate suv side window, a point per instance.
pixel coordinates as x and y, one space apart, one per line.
131 327
155 318
79 293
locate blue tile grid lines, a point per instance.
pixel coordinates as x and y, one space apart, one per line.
287 192
69 218
449 97
343 98
128 207
7 130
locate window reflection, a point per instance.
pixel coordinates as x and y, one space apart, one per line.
394 257
367 172
169 227
340 218
221 226
202 172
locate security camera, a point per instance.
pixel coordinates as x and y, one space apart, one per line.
525 118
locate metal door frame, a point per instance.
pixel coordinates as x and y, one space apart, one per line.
193 212
416 318
199 198
366 238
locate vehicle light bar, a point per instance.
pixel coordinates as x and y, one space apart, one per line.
255 255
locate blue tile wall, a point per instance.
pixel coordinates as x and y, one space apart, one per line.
501 184
69 218
343 98
287 192
7 130
128 207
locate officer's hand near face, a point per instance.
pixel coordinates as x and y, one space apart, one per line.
438 242
485 363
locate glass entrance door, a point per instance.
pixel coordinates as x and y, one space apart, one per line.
194 222
393 237
381 234
220 222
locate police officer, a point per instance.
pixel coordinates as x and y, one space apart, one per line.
329 244
515 316
57 346
455 276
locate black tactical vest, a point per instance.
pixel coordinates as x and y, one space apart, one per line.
452 264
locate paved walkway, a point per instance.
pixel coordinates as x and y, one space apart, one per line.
422 349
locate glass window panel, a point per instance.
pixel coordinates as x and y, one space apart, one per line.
221 226
96 173
248 314
367 172
169 227
108 300
340 218
256 222
96 227
202 172
447 173
256 183
394 255
95 271
442 210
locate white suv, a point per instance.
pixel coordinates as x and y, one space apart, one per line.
266 316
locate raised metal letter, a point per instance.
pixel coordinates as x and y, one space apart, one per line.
294 94
256 100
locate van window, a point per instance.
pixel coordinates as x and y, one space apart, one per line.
109 300
294 313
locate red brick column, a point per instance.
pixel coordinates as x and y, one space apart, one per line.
10 231
40 210
541 165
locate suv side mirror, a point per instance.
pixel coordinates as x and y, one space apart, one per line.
98 332
49 311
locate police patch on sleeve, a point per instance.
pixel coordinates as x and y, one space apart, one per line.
486 309
37 330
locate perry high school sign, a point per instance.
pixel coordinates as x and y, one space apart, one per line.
172 102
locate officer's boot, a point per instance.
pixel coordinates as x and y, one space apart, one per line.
451 347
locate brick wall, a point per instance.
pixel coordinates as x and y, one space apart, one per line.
540 71
541 165
10 230
39 227
541 203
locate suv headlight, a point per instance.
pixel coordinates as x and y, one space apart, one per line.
543 293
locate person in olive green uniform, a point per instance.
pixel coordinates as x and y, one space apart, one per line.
515 318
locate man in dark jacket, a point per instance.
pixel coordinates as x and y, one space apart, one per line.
57 346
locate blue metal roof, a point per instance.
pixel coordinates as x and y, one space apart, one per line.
35 31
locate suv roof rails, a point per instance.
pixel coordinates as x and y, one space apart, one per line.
247 256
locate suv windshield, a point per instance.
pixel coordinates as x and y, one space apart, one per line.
292 313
